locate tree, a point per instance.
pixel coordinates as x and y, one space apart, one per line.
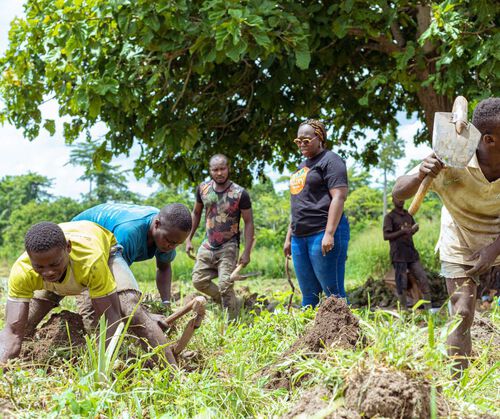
187 79
60 210
391 149
357 177
363 207
170 195
106 181
271 211
17 191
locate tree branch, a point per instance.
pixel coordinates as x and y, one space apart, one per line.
397 34
384 43
186 81
423 22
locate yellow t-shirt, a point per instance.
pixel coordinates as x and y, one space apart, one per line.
470 217
88 265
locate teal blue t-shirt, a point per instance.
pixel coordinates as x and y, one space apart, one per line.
130 225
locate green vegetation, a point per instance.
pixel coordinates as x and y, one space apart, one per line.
225 378
186 79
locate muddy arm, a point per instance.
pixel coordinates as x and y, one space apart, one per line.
407 185
11 337
110 307
38 309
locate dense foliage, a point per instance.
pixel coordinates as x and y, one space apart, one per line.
186 79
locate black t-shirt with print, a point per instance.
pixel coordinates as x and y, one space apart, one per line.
309 191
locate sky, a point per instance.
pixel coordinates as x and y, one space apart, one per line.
48 155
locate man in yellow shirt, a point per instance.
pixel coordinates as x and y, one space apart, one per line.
64 259
469 243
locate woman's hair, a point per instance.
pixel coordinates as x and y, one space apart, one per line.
319 129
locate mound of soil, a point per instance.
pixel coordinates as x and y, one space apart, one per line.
382 292
334 326
7 409
62 332
375 292
389 394
315 402
485 332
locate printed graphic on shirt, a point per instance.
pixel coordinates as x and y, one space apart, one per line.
298 180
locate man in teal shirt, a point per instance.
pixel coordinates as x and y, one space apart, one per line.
143 232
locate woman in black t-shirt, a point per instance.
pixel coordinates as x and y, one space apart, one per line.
318 234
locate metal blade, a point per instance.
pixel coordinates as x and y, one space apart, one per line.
455 150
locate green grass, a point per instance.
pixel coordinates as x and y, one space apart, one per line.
227 381
368 253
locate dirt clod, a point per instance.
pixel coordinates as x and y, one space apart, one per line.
317 402
334 325
56 337
485 333
389 394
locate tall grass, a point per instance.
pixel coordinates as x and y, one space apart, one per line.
368 253
227 380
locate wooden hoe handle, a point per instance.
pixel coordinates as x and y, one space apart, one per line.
420 195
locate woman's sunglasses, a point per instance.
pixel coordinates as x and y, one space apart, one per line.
305 141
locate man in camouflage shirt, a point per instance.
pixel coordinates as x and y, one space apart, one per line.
225 203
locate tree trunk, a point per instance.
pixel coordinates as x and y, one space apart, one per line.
429 99
431 103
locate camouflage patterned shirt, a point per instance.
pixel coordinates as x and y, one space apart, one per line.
222 212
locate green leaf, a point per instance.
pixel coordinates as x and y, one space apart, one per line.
106 85
303 57
403 58
82 99
50 126
262 39
153 22
339 27
95 106
236 13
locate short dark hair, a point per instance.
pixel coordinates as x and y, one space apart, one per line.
44 236
219 157
176 215
319 128
487 115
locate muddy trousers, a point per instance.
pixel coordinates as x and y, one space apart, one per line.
463 293
219 263
401 277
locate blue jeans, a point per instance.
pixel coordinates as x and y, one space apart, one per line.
316 272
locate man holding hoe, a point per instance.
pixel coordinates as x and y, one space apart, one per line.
224 202
142 233
469 243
